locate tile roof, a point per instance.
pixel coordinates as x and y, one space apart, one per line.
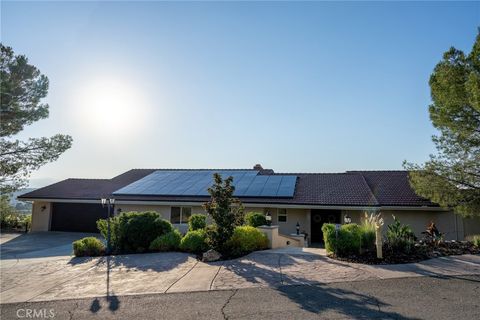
353 188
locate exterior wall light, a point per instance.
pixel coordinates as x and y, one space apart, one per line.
298 228
268 217
347 219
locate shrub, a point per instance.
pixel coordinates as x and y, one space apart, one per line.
194 241
197 222
255 219
88 247
211 234
170 241
246 239
346 242
367 232
134 231
476 240
400 237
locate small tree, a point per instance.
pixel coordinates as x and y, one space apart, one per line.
225 210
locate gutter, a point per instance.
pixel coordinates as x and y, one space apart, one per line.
246 204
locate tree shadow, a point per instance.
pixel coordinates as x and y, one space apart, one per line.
311 295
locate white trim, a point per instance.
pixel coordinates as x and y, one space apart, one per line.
245 204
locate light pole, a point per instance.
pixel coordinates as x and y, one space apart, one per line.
268 217
109 203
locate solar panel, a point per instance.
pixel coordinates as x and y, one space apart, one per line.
287 186
248 183
271 186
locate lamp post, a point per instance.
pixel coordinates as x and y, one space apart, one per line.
268 217
347 219
109 203
298 228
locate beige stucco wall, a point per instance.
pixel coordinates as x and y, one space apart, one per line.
302 216
453 226
164 211
41 218
447 222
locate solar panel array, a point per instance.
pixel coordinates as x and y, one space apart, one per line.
248 183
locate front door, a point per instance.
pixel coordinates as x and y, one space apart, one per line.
318 218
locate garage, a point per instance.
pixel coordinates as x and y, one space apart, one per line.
76 217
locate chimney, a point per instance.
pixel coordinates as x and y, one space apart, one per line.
258 166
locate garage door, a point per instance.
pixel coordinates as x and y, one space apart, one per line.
76 217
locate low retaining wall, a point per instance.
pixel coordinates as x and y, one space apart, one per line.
276 240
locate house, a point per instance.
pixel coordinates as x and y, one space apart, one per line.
306 199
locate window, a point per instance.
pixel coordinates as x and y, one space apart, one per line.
282 215
180 214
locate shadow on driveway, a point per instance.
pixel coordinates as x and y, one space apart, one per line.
40 244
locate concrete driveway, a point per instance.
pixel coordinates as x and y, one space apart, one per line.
45 279
38 244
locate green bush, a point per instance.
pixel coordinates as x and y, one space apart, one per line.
347 242
400 237
197 222
476 240
168 242
134 231
194 242
255 219
246 239
88 247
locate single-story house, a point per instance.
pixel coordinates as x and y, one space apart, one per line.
306 199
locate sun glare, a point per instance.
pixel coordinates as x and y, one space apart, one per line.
112 108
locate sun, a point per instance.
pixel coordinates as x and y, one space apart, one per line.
111 107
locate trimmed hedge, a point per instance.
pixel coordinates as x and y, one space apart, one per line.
168 242
197 222
134 231
255 219
246 239
347 242
88 247
194 242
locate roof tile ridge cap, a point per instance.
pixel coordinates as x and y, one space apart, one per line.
95 179
311 173
370 190
201 169
366 171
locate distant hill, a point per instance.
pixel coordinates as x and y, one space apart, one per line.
21 205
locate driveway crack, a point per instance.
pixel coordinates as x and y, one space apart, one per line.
227 302
216 274
176 281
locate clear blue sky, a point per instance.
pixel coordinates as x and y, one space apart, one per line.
302 87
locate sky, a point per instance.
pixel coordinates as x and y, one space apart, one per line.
294 86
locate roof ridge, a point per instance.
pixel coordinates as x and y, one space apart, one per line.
310 173
370 189
359 171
